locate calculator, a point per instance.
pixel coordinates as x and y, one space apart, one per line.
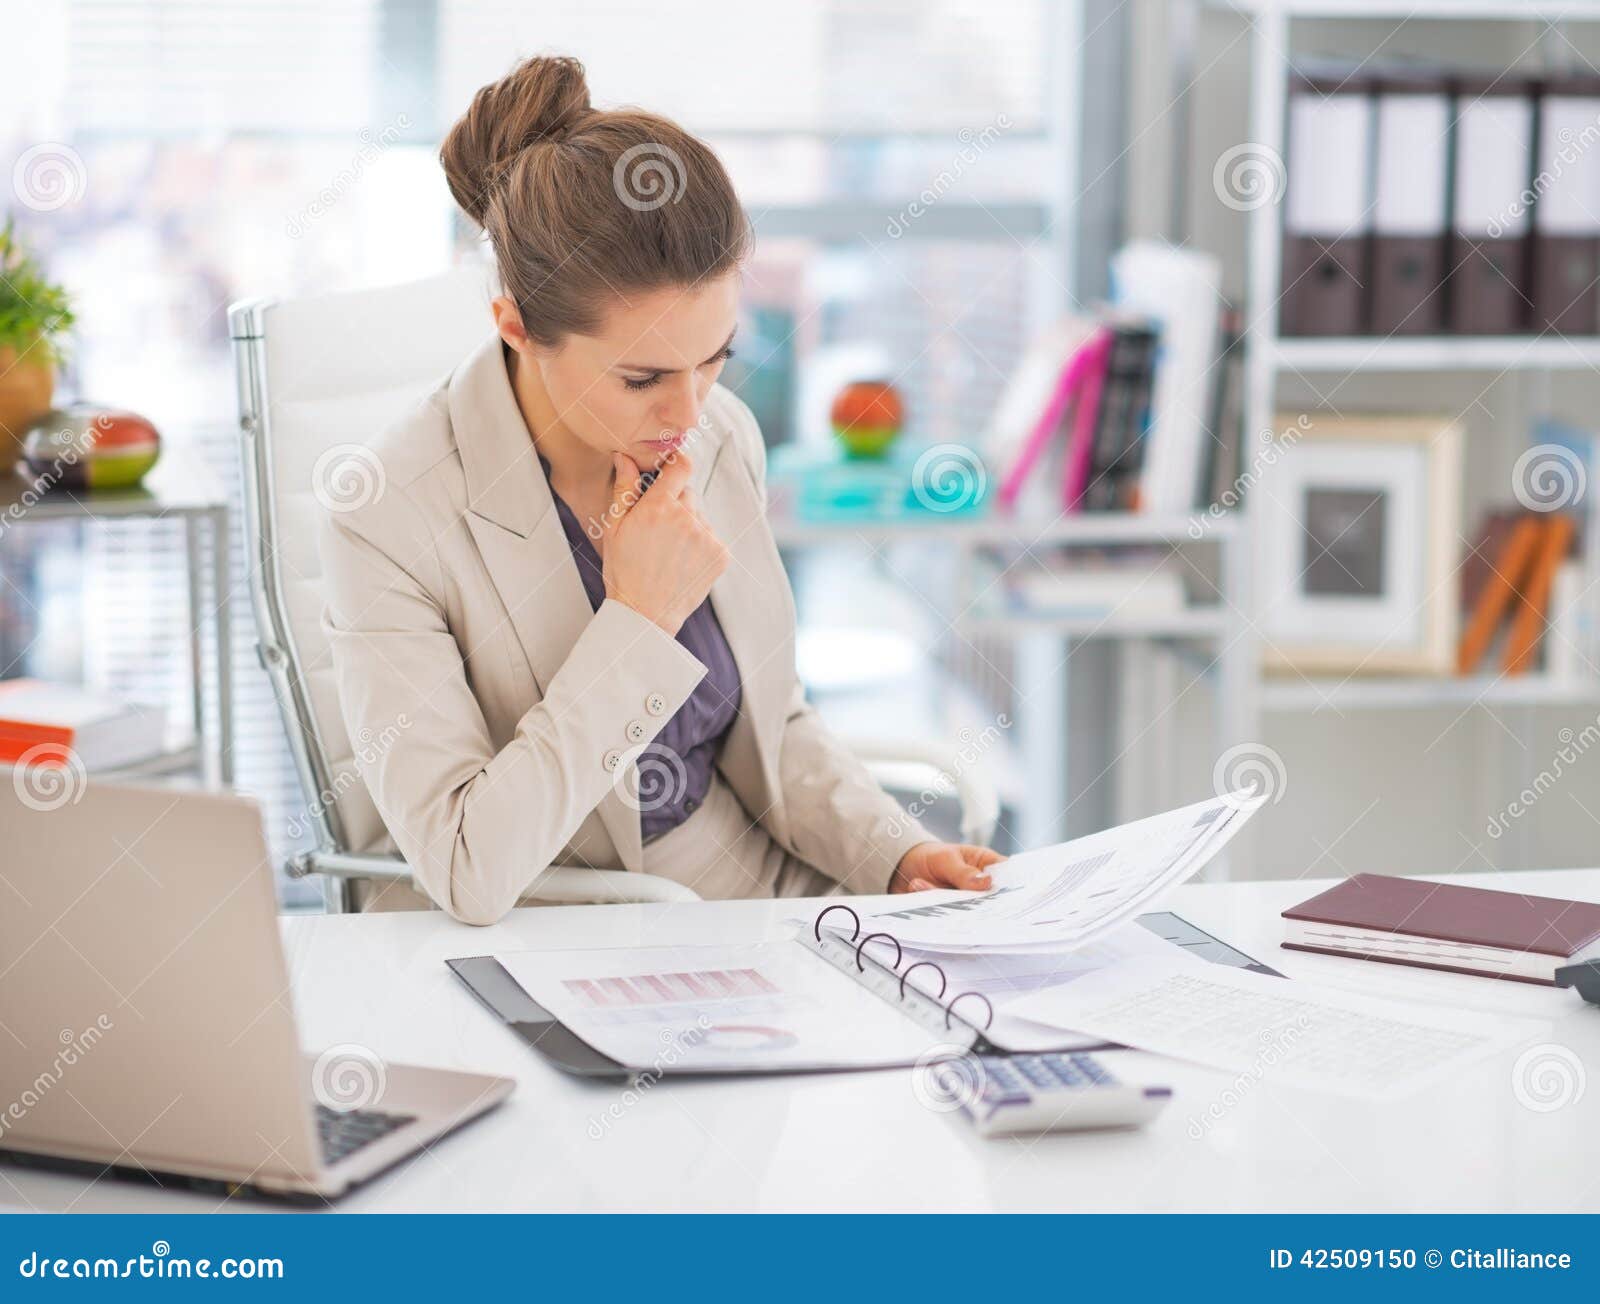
1062 1091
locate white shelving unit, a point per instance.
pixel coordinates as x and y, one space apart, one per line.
1495 353
1391 693
1548 11
1269 356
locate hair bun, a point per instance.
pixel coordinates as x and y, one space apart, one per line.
541 99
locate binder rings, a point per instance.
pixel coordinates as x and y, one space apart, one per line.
953 1018
1493 160
1566 237
1327 214
1410 217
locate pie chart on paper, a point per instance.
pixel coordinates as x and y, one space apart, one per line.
743 1038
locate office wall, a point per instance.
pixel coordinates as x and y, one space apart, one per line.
1410 790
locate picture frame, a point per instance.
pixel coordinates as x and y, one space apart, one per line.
1357 528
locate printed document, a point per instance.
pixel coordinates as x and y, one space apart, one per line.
1061 897
1283 1030
718 1008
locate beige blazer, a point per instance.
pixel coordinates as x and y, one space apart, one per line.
461 635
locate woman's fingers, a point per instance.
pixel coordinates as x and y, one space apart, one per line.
674 476
948 864
957 872
625 488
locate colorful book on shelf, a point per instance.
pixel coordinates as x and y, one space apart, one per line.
1528 623
1222 476
1028 391
1501 557
1479 565
1506 584
1081 374
1118 451
1179 291
49 724
1086 416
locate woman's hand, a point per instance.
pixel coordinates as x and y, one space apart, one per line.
658 555
944 864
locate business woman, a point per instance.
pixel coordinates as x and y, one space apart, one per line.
564 617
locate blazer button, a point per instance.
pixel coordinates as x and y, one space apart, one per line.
611 759
655 704
635 732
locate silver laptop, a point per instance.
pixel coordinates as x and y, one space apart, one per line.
146 1024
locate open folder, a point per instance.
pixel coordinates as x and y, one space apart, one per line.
874 985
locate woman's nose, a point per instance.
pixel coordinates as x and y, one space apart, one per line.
680 407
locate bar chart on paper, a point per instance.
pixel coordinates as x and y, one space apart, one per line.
716 1008
656 988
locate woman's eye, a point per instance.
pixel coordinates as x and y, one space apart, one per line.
648 381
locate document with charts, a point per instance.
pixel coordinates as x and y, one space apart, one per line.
717 1009
1060 897
854 986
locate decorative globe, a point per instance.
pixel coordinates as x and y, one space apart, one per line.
867 415
88 447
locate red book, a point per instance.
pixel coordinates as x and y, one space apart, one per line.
1436 926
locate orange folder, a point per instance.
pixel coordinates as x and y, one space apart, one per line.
1527 626
1499 589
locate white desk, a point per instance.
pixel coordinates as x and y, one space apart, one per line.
862 1141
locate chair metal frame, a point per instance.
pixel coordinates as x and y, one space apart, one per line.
333 858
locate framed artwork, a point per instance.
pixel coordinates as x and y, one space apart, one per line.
1357 522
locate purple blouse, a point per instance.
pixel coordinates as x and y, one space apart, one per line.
674 769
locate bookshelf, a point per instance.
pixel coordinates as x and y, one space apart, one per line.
1546 11
1270 356
1492 353
1368 693
1086 529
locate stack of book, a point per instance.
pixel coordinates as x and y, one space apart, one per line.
1507 581
1121 411
51 724
1469 930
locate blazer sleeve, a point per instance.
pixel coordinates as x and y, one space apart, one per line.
476 826
836 815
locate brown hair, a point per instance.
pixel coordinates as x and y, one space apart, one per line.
581 203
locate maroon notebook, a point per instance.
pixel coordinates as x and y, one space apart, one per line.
1473 916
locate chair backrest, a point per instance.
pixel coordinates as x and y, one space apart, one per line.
315 374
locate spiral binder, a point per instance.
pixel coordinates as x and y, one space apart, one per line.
889 981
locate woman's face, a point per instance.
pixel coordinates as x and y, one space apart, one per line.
639 385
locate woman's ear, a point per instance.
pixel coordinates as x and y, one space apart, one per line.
508 321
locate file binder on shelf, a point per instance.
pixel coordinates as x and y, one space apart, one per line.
1566 217
1493 163
1327 213
1410 215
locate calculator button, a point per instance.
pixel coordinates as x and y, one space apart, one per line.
1035 1071
1065 1072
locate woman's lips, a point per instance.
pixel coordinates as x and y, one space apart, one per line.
671 441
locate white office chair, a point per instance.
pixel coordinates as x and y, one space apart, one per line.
338 369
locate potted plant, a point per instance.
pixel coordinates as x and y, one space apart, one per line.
35 313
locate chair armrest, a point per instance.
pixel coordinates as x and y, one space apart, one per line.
969 779
558 885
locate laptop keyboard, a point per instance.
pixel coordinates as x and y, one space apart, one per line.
342 1134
